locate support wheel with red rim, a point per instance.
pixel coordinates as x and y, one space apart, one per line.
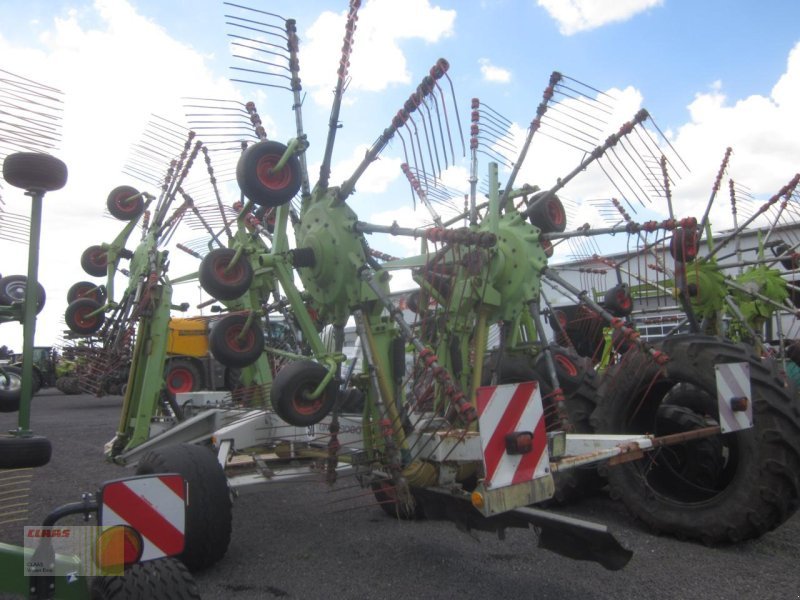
94 261
235 345
258 180
86 289
221 280
549 214
80 319
125 203
182 376
290 391
683 245
618 300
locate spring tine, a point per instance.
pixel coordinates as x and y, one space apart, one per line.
715 189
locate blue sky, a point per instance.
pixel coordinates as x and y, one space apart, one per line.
713 74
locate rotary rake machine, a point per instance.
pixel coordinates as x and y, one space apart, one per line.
469 433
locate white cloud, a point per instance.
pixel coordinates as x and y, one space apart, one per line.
114 75
574 16
493 73
377 60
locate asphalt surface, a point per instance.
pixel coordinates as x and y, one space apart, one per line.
302 541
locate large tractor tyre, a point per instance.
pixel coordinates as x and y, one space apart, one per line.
86 289
121 206
182 376
290 389
34 171
94 261
548 215
10 389
233 345
160 579
725 488
386 495
208 513
581 400
222 281
79 317
12 289
256 179
24 452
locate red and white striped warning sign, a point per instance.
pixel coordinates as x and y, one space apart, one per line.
155 506
504 409
733 389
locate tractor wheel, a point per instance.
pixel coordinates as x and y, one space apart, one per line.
86 289
121 207
208 514
725 488
12 289
259 184
160 579
290 391
10 389
683 245
35 171
24 452
182 376
386 495
94 261
231 345
618 300
222 282
549 215
79 318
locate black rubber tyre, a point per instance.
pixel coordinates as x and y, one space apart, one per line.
78 319
256 181
791 261
208 514
24 452
35 171
182 376
221 283
228 349
94 261
120 207
580 392
10 389
683 244
756 476
386 496
549 215
86 289
290 387
618 300
12 289
160 579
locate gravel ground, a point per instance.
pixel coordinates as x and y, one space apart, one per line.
303 541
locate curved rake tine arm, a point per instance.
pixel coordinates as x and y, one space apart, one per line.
217 197
598 152
398 121
785 192
415 185
555 77
667 188
333 122
293 44
704 225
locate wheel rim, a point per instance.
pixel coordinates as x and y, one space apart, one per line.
98 258
556 212
10 382
273 180
122 203
83 318
566 365
16 290
692 473
304 405
227 274
180 380
237 344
